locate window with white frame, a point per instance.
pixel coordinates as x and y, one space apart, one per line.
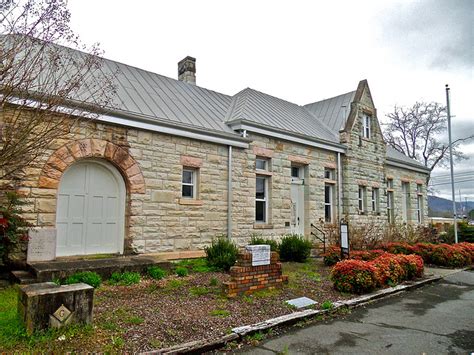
261 199
390 212
375 200
366 123
188 183
328 203
419 203
329 174
406 201
362 199
262 165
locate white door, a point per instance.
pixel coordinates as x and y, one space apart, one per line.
297 207
90 210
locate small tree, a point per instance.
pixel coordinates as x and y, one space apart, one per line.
45 88
415 131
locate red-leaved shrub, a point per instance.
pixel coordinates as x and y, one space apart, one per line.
412 264
398 248
389 270
354 276
450 255
332 256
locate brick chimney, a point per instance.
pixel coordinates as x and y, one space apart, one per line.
187 70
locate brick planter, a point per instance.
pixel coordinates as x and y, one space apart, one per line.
246 279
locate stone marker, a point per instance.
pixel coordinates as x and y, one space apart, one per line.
301 302
46 304
260 254
41 244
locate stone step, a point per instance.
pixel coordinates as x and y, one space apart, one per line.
61 269
23 277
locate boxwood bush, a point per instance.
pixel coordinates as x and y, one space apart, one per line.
222 253
258 240
294 247
156 272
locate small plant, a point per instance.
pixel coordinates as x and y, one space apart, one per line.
327 305
181 271
196 265
255 338
156 272
174 284
222 253
199 291
125 278
87 277
294 247
259 240
222 313
214 281
134 320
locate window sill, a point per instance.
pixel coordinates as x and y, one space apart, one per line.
262 226
190 201
330 181
263 172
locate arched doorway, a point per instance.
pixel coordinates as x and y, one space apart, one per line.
90 209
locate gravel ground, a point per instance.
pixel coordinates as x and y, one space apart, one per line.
155 314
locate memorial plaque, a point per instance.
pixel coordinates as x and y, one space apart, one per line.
301 302
260 254
41 244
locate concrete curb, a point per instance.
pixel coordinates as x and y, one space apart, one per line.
200 346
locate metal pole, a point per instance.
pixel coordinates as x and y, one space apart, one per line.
451 166
229 194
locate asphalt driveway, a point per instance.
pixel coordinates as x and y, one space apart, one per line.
435 319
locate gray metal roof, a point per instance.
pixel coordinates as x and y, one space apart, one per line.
393 154
333 111
144 93
255 106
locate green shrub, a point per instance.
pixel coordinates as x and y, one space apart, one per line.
156 272
181 271
124 278
327 305
222 253
259 240
294 247
354 276
87 277
196 265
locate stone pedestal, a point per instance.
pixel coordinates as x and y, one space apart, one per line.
246 279
46 305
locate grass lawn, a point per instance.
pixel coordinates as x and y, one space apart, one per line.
160 313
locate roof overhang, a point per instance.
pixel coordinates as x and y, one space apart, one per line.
286 135
146 123
404 165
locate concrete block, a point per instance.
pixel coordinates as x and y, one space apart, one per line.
45 305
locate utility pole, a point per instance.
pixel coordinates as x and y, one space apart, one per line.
451 166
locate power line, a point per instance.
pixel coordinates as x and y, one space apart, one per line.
446 183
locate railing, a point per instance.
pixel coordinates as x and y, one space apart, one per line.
314 232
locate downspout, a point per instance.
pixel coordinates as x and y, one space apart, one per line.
339 187
229 194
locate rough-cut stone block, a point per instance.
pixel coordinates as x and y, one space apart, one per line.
48 183
39 302
123 159
41 244
263 152
192 162
98 147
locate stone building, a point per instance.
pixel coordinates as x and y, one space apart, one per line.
172 165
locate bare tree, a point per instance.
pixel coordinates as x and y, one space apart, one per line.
49 81
418 131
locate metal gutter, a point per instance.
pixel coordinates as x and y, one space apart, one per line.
339 187
404 165
286 135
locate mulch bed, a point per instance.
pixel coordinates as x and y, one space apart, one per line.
155 314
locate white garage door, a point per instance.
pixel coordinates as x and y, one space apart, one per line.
90 210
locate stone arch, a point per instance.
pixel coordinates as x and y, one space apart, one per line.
72 151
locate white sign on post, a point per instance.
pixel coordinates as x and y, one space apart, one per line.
344 238
260 254
41 244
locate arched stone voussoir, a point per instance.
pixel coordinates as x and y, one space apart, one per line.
65 156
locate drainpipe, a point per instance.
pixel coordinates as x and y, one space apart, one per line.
339 185
229 194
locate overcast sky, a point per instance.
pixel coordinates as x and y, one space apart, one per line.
303 51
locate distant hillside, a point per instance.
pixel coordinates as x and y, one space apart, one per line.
441 207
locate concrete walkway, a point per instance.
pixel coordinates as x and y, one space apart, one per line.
435 319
